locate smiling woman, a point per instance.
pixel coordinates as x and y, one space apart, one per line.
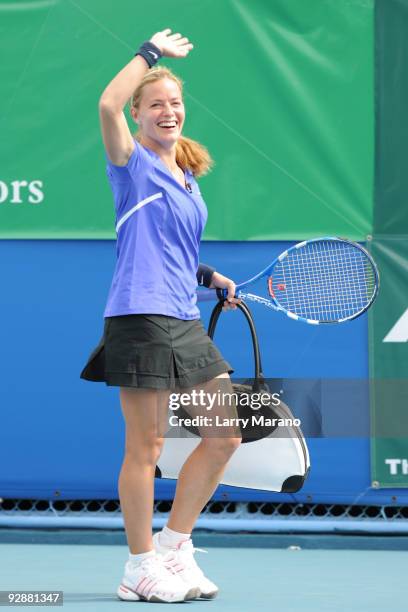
153 339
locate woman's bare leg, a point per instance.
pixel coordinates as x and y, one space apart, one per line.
203 469
145 414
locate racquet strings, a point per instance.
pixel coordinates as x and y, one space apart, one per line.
324 280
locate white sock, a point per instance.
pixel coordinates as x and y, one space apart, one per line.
136 560
171 539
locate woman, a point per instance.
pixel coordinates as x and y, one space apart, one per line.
153 338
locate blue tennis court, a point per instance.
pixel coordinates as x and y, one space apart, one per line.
253 572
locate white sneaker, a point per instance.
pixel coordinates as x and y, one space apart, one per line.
151 581
181 562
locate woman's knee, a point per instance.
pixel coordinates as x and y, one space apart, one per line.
145 451
144 411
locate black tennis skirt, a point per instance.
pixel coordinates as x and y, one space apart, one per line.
154 352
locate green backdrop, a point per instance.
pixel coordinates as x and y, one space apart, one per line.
389 317
281 92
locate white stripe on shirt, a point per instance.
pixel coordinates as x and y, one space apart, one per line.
135 208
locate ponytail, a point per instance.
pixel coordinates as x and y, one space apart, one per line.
193 156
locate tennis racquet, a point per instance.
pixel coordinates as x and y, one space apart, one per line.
323 280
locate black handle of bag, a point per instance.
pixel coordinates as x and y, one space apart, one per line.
259 380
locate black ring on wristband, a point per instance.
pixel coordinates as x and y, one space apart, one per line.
150 53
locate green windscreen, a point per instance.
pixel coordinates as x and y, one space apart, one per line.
280 92
389 317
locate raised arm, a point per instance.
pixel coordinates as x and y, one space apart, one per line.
116 134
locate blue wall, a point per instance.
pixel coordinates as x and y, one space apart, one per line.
62 436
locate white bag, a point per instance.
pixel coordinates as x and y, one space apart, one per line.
270 458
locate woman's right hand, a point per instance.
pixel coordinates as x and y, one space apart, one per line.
171 45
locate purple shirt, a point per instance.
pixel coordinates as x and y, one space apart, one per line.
159 226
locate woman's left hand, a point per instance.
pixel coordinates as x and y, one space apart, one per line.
218 281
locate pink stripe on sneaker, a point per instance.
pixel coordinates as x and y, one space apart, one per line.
151 588
146 587
139 586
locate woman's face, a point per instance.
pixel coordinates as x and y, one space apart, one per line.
161 113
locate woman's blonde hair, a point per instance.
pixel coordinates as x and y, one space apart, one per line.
190 154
